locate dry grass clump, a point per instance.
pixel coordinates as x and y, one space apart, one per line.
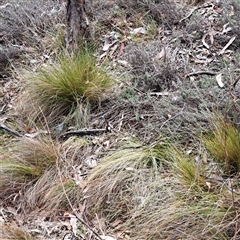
160 193
24 163
13 232
182 204
110 183
39 172
224 145
66 88
202 217
61 195
27 22
54 195
29 158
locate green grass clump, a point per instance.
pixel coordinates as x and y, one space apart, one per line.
24 163
28 158
38 172
224 145
188 171
64 88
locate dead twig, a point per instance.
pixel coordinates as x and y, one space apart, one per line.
201 73
171 118
84 132
227 45
193 10
10 131
189 15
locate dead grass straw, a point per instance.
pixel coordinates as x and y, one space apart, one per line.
110 183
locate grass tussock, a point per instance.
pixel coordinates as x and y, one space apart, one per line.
52 195
173 218
161 193
62 194
66 88
24 163
12 231
188 171
181 204
109 184
224 145
32 169
28 159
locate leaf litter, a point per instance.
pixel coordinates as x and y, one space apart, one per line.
173 73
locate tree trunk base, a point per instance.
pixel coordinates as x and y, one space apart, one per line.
78 30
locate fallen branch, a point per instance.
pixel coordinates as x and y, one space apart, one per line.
84 132
189 15
10 131
200 73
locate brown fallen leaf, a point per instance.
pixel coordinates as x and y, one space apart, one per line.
122 46
161 54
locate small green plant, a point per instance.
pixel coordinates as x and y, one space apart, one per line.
224 145
63 88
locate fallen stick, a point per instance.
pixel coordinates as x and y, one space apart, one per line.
194 9
200 72
84 132
10 131
189 15
227 45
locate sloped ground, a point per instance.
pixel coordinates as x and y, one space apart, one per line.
175 65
